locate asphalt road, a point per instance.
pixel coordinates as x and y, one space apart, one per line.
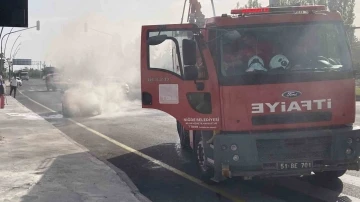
153 134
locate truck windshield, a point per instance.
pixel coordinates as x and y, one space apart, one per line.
282 49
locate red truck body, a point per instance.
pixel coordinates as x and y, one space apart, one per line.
256 123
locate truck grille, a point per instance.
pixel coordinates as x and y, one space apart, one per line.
315 148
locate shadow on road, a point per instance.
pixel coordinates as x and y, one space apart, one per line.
74 178
159 184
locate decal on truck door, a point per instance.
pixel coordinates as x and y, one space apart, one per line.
202 123
169 94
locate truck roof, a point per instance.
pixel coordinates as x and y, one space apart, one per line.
272 18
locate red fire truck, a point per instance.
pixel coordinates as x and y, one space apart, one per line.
262 92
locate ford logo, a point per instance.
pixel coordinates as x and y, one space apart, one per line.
291 94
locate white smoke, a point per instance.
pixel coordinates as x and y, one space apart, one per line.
99 61
111 48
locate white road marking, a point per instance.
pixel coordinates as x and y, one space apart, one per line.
352 180
29 116
54 116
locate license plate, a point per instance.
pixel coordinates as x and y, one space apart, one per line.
294 165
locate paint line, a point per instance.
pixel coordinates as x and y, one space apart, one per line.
153 160
349 179
37 102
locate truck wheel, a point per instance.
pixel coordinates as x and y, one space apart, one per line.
184 137
206 172
178 127
65 112
330 174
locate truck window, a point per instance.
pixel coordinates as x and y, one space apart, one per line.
164 56
280 49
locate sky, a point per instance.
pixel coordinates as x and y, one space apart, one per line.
122 19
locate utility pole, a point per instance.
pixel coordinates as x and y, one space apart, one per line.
13 45
2 55
213 8
6 43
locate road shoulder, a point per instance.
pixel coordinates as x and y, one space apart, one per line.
40 163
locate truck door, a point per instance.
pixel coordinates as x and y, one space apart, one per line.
178 76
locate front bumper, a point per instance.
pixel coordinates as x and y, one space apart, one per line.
263 154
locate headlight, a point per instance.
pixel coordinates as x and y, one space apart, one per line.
233 147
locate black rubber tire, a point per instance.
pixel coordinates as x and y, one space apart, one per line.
184 138
206 172
178 127
65 112
330 174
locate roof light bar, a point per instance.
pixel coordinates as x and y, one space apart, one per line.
278 9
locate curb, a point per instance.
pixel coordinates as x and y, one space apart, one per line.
128 181
122 175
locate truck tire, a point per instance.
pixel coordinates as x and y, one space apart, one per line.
206 172
65 112
184 137
330 174
178 126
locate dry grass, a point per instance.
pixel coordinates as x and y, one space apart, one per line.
357 90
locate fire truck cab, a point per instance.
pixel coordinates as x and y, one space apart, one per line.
263 92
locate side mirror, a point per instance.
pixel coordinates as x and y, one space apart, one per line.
190 72
189 52
156 40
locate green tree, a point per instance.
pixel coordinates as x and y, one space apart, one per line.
301 2
250 4
345 7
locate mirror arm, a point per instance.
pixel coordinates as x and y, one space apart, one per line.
199 85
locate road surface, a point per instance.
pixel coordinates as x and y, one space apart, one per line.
144 144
